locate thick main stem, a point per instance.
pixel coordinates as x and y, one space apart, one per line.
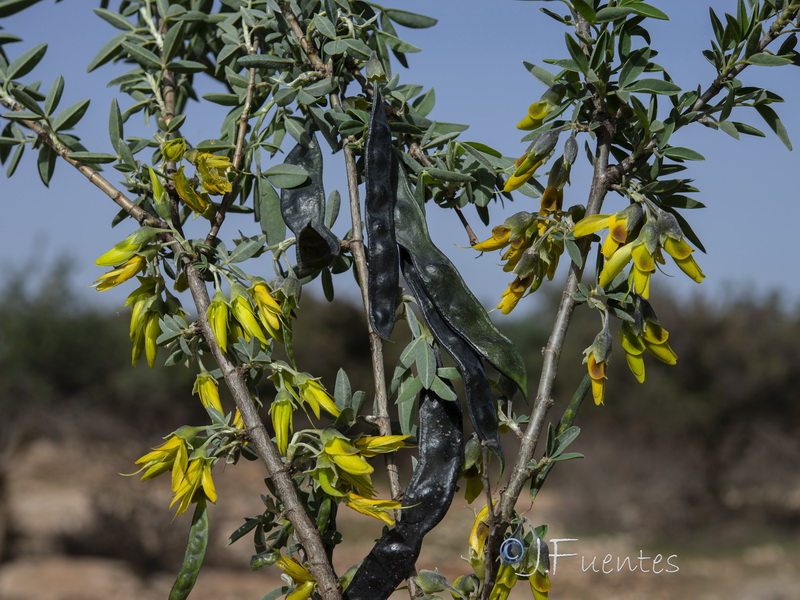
306 531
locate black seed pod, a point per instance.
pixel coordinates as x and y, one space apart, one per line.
380 180
443 284
426 501
303 209
480 402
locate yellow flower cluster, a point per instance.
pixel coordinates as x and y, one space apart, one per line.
342 472
191 473
235 317
532 253
663 233
212 172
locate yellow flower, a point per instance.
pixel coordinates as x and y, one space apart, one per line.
172 454
304 581
596 358
199 203
217 315
212 169
619 226
477 541
243 313
655 338
501 236
120 274
342 453
238 420
372 445
520 177
539 111
205 386
516 289
173 150
313 394
597 372
378 509
120 253
681 252
504 582
540 585
527 164
269 311
281 412
196 480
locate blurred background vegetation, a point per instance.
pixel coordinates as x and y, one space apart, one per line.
704 455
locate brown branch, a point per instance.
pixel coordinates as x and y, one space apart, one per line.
46 135
775 30
306 531
306 46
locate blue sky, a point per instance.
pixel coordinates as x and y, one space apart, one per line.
473 59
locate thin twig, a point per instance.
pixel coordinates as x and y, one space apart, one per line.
416 153
238 154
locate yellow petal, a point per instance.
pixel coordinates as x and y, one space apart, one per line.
589 225
615 264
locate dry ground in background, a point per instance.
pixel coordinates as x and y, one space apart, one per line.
81 532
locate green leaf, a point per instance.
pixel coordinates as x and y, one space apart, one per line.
263 61
453 176
222 99
426 365
577 54
109 50
269 213
748 129
585 10
114 18
54 95
679 153
357 49
729 128
93 157
12 164
287 176
70 116
247 248
409 19
543 75
142 55
173 41
22 115
9 7
646 10
187 66
612 13
654 86
773 120
342 390
396 43
46 164
764 59
115 125
567 456
332 208
325 26
25 62
444 391
26 101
